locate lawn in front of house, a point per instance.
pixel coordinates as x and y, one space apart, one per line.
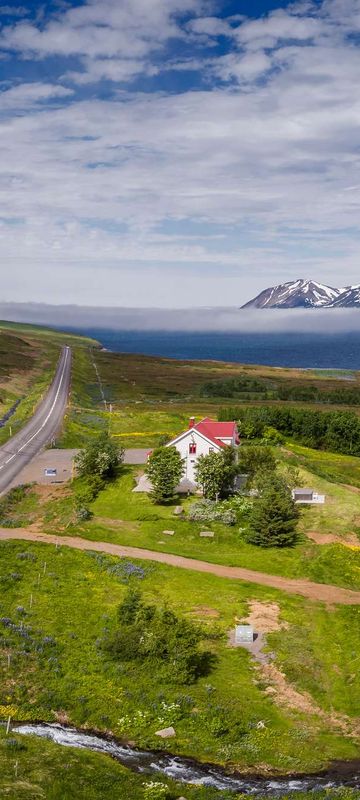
128 518
62 673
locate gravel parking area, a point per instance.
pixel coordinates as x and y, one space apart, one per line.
62 461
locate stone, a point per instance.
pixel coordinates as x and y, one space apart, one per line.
207 534
178 511
169 533
166 733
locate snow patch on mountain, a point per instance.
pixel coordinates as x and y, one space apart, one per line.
304 293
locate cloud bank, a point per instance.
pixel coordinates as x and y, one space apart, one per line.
321 321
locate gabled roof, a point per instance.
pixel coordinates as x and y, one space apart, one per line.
216 430
200 433
213 431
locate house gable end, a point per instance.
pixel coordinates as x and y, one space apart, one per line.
191 434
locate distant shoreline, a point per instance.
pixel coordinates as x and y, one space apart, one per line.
288 349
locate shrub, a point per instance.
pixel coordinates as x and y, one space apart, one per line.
240 505
216 472
209 511
274 517
83 513
164 469
99 458
154 790
168 643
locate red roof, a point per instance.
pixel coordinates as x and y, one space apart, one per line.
216 431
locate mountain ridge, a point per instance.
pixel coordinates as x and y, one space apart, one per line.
304 293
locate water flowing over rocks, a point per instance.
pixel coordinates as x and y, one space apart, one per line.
187 771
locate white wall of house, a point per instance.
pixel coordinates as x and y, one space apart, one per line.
203 448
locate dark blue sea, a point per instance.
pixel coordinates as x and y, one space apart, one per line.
304 350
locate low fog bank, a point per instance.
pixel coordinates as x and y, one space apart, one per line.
319 321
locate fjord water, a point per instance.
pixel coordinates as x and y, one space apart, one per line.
191 772
285 349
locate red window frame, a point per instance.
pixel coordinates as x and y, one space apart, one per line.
192 448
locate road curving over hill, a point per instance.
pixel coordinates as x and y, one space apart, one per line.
41 428
321 592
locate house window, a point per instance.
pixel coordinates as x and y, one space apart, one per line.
192 448
211 449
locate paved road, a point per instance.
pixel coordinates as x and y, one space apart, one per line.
330 595
44 424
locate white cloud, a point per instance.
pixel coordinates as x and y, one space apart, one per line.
118 70
28 94
245 183
101 28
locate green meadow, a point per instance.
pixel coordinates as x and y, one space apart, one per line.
57 604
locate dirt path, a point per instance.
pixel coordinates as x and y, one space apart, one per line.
314 591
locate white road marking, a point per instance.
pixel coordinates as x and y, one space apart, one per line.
45 420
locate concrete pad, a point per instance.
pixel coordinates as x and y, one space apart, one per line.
143 485
207 535
136 455
169 533
34 472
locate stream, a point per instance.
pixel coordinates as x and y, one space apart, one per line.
186 771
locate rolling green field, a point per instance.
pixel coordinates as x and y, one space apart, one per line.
62 673
57 604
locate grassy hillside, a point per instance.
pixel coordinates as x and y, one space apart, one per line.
59 671
28 358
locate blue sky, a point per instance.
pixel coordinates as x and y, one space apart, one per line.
177 152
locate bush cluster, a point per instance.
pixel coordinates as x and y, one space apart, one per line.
210 511
157 637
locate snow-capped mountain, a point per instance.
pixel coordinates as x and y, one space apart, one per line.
306 294
349 298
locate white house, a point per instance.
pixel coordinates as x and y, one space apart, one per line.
202 438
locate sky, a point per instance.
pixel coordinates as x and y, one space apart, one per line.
177 153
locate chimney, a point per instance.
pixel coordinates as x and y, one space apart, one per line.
191 422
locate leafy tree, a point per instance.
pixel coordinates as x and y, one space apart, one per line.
292 476
273 519
164 469
215 473
100 457
256 458
272 435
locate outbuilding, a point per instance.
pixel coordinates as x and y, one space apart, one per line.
301 495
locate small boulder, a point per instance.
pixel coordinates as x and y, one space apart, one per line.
178 511
168 533
206 535
166 733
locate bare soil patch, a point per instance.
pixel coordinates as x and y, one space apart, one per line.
331 538
284 694
264 617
